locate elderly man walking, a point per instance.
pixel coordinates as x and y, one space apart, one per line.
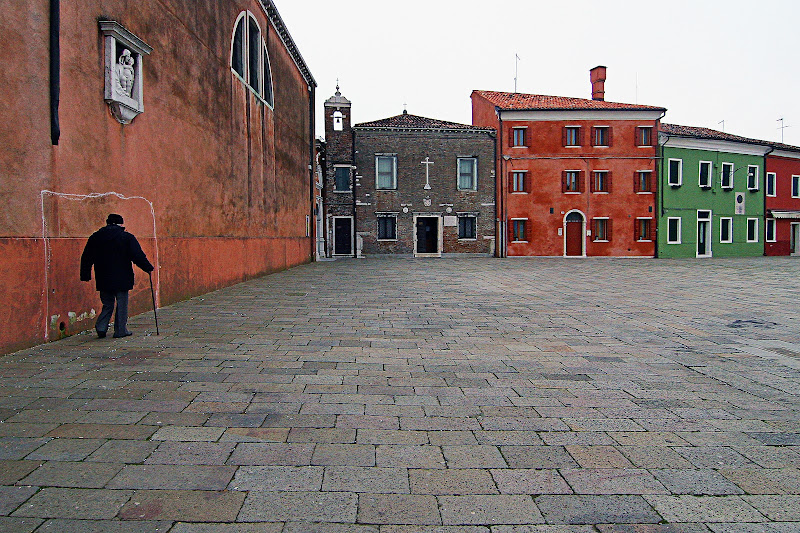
112 251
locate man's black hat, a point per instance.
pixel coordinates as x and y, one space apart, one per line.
114 218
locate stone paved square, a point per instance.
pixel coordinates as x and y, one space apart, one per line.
400 395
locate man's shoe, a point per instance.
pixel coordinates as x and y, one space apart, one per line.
126 334
101 334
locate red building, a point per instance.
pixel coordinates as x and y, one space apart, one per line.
192 120
783 201
576 177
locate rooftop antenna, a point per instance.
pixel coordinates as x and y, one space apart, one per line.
637 88
516 70
723 125
781 127
405 108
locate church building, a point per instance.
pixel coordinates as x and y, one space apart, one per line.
192 120
408 185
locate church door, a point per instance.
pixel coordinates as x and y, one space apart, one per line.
427 235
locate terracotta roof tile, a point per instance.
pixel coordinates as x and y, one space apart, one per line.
522 101
707 133
407 120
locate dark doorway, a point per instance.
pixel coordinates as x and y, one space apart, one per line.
574 233
428 235
342 236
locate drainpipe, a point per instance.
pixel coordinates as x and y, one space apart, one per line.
55 70
501 205
771 149
353 164
312 219
657 182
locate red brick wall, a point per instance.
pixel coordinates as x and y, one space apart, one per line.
227 176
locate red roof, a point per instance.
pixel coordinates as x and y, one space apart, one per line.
521 101
707 133
406 121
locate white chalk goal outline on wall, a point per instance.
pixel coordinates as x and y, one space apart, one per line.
46 240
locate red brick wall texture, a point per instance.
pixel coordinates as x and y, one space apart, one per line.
213 182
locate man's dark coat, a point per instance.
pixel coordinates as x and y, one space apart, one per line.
111 250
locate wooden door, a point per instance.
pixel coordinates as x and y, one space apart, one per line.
574 235
342 236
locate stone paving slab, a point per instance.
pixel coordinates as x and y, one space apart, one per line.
393 395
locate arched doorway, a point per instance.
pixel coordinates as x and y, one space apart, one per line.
574 232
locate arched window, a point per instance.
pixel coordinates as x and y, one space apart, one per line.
249 57
338 121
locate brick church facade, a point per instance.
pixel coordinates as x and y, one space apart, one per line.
408 185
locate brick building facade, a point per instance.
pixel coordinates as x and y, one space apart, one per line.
577 176
408 185
192 120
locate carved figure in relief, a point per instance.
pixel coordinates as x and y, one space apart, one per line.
125 75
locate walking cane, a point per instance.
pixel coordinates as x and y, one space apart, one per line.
153 294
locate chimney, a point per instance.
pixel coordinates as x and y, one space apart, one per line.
598 77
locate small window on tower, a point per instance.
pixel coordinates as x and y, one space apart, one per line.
338 121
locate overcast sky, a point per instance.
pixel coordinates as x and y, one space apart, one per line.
704 60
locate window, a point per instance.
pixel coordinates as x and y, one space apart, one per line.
752 177
726 176
770 237
249 57
705 174
519 181
770 184
675 172
467 226
572 181
601 136
752 230
674 230
386 172
601 181
387 227
572 136
602 230
643 229
726 230
341 179
467 173
644 136
518 137
518 230
795 186
642 181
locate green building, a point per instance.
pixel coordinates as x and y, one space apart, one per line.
711 193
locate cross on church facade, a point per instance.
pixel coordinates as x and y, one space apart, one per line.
427 164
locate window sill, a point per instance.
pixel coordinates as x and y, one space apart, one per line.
675 185
643 240
519 192
386 240
341 192
460 239
572 192
389 190
519 242
601 240
645 192
705 187
669 242
468 190
600 192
